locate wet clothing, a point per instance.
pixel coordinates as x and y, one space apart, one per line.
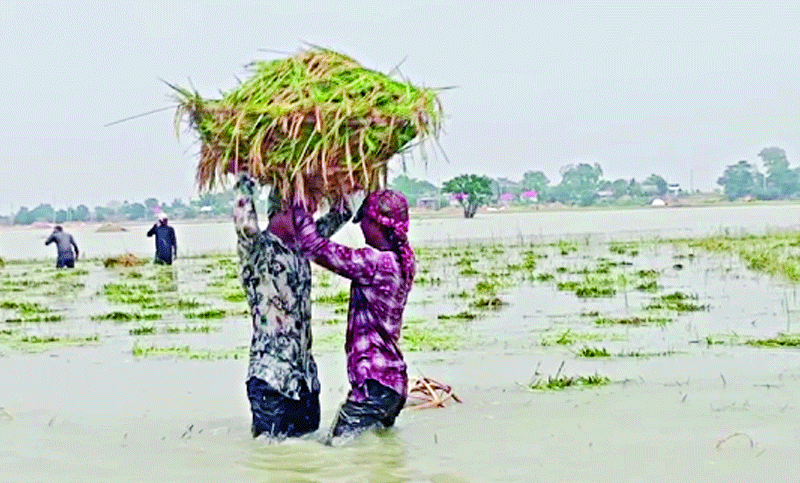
378 294
166 244
64 245
378 410
277 415
277 282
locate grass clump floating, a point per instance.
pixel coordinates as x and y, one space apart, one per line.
207 314
124 260
314 125
341 297
677 301
632 321
782 340
558 382
587 351
186 352
119 316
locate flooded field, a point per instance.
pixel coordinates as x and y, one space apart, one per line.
578 358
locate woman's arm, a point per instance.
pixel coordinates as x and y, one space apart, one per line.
334 219
358 265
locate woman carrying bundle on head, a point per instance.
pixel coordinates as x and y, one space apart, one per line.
381 274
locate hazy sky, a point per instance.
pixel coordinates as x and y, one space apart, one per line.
680 89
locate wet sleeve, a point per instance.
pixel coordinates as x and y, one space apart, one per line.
49 240
74 245
356 264
152 231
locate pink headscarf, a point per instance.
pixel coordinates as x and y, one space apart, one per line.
389 208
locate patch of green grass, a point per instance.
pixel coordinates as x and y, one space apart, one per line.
235 296
562 382
487 303
621 248
120 316
632 321
207 314
24 308
677 301
36 343
459 316
648 286
204 329
35 318
427 281
587 351
646 354
543 277
186 352
594 291
782 340
568 337
183 304
341 297
143 330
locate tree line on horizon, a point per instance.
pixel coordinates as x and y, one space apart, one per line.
580 185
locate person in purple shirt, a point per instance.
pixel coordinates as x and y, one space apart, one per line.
381 276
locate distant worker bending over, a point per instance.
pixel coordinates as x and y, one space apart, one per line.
64 243
166 244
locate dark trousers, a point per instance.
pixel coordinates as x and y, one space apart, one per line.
378 411
280 416
65 262
162 261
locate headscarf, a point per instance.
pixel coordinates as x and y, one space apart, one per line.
389 209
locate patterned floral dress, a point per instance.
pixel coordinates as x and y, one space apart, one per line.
277 281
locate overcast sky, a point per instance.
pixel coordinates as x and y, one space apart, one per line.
681 89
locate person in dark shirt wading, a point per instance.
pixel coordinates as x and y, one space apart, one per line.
64 244
166 245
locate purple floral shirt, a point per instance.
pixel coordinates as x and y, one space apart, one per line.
378 296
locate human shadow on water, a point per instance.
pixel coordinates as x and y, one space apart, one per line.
374 457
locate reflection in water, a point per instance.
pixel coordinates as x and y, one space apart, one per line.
371 457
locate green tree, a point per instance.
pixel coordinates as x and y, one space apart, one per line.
620 187
781 181
134 211
43 212
413 189
82 213
24 217
150 203
660 183
739 180
579 184
471 191
61 216
535 181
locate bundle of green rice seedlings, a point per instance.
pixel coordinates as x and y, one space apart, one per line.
314 125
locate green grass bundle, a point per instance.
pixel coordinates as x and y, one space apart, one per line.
314 125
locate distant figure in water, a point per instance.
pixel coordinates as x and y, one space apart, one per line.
64 244
166 244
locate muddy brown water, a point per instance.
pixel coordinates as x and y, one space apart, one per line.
699 412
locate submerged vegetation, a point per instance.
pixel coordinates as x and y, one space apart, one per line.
558 382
